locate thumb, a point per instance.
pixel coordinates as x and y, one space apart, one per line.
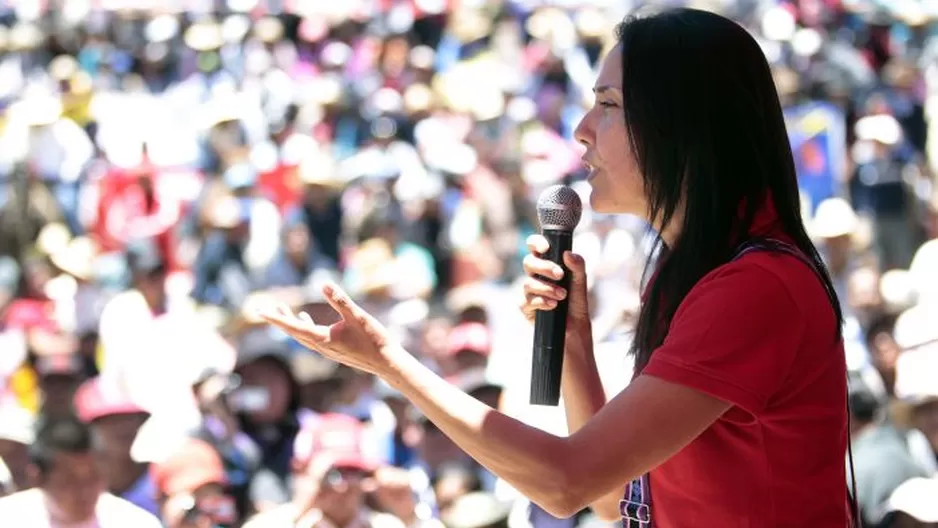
577 267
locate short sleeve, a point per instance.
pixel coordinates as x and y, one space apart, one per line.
735 336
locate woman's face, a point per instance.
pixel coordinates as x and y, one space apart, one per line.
614 175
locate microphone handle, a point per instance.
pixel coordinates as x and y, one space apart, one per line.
550 329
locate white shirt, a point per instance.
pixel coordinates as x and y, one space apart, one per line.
28 509
287 516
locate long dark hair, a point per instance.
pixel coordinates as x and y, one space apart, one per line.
704 117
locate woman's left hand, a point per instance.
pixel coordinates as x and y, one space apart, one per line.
357 340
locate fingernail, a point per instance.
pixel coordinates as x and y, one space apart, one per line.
558 273
551 304
560 292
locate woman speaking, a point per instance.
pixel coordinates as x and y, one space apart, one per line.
737 414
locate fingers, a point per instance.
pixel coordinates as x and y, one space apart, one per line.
534 265
538 244
533 303
300 327
536 288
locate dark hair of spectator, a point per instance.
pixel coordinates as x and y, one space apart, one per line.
884 323
60 434
707 131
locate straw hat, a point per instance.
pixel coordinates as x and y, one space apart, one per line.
241 6
319 168
235 28
77 258
37 110
325 90
52 239
924 271
591 23
787 82
227 213
374 262
916 498
470 24
477 510
879 128
162 28
452 157
312 29
487 104
223 108
204 36
63 67
268 29
25 36
418 98
549 23
421 57
897 290
834 218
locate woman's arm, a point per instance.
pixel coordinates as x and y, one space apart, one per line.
643 426
583 397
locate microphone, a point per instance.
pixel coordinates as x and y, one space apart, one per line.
558 211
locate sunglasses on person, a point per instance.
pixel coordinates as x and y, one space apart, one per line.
220 510
338 476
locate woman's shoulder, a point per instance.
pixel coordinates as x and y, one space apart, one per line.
786 276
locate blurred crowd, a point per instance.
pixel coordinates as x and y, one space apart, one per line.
169 167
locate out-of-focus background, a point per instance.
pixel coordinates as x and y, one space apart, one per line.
168 166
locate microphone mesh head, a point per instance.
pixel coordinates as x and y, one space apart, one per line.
559 207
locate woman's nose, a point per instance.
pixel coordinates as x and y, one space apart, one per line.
583 132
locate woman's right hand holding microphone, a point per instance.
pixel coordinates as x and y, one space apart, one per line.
541 294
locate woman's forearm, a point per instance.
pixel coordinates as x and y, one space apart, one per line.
534 462
581 386
583 397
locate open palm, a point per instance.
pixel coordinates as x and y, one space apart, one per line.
357 340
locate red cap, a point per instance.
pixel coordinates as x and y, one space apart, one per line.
96 398
470 337
27 314
338 435
194 465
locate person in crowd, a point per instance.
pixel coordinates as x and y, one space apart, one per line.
266 408
192 488
319 207
881 457
115 419
222 274
911 505
299 261
331 472
16 435
70 488
884 351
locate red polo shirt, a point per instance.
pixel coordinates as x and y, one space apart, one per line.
757 333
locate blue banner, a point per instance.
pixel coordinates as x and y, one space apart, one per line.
818 142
